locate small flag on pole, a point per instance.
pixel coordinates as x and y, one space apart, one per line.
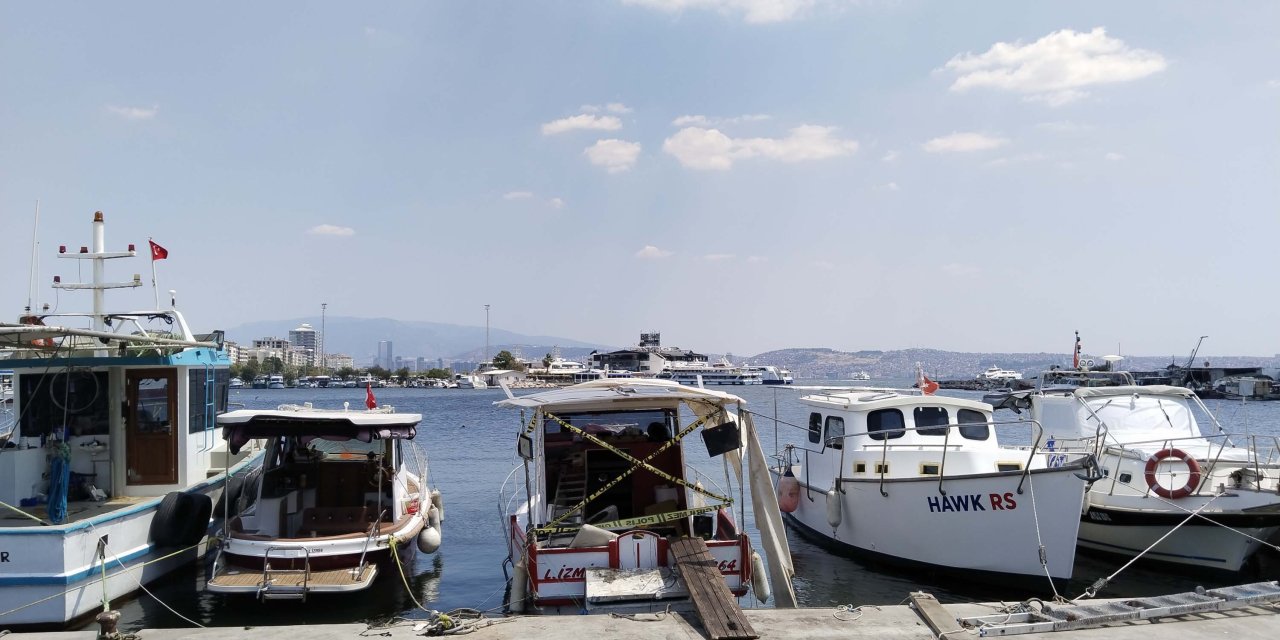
158 252
928 386
369 400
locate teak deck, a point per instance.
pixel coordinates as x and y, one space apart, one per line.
721 616
328 578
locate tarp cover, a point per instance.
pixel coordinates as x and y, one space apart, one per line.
274 425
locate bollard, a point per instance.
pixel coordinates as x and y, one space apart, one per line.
107 621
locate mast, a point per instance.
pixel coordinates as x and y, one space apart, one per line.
99 255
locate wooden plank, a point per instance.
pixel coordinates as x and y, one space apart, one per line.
712 600
940 622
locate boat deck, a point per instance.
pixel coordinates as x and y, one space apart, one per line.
251 579
38 516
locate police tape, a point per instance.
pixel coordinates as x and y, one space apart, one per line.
639 521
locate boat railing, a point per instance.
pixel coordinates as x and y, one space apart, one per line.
1084 378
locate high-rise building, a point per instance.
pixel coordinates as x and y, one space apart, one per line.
306 338
385 358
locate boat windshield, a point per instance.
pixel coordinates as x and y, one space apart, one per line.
615 423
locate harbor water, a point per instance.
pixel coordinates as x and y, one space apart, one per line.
471 448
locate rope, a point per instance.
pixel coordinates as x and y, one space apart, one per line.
1101 583
856 612
1205 518
138 579
9 506
1044 559
443 623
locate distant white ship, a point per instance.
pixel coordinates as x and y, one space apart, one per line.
718 373
859 375
996 374
770 374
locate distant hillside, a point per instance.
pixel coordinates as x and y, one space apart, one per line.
358 337
829 363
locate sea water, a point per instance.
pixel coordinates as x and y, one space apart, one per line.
471 448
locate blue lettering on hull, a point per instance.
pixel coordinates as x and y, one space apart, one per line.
970 502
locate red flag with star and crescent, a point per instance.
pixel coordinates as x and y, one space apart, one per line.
369 400
157 252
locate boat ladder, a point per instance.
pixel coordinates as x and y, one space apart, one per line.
284 584
1064 618
570 490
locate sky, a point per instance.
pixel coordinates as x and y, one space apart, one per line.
741 175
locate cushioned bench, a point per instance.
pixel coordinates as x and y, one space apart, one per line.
333 521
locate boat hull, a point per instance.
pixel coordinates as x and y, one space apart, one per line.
981 523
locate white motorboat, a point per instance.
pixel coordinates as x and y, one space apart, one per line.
723 372
607 488
1160 468
469 381
922 480
275 381
237 383
770 374
996 374
336 499
119 460
859 376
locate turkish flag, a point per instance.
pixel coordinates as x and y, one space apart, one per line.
928 386
369 400
158 252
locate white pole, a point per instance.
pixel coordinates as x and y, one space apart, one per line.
155 290
31 285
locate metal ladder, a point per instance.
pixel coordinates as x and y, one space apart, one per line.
1064 618
570 490
269 590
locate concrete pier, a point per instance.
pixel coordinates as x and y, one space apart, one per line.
898 622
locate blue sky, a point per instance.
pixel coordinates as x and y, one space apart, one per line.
743 175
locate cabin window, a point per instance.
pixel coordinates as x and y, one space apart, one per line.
1009 466
859 467
656 425
815 427
1126 478
885 424
207 396
973 424
77 400
930 421
929 468
835 432
882 468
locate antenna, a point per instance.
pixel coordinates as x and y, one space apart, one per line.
35 248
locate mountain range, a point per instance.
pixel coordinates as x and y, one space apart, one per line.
359 337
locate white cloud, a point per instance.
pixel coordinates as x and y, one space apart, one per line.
889 186
891 156
650 252
754 11
960 270
704 121
612 154
517 195
717 257
1018 159
556 203
331 230
1057 68
134 113
581 121
612 107
699 148
965 141
1114 157
1274 84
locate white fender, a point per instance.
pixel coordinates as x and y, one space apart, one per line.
833 508
519 582
429 538
438 502
759 581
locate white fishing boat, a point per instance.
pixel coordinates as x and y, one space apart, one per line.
922 480
275 381
336 500
607 488
120 419
1160 469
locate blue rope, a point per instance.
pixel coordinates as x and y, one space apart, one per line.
59 482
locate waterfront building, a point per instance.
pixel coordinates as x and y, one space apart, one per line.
308 338
385 358
647 358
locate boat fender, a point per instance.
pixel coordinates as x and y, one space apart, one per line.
176 518
759 581
519 584
429 538
438 502
788 492
198 526
1193 478
833 508
1087 503
228 502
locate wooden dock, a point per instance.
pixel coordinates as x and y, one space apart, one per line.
714 603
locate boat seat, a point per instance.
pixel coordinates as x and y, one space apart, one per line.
328 521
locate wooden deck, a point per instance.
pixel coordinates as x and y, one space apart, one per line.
76 511
714 603
319 579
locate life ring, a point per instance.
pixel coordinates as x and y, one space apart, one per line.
1173 494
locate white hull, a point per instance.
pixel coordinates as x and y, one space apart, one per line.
1203 546
60 566
970 528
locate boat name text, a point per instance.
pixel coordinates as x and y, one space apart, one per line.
972 502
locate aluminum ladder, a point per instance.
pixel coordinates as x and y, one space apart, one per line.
1065 618
269 590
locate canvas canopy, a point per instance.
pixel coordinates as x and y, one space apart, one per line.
239 427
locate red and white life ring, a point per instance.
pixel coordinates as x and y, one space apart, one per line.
1187 489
